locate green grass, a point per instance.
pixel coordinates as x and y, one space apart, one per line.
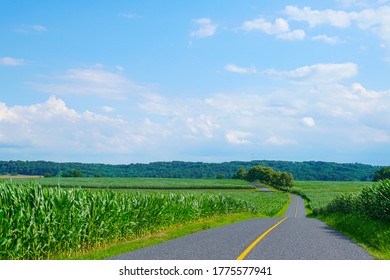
320 193
268 204
371 234
138 183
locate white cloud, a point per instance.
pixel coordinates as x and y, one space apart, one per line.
280 28
53 127
205 28
298 34
315 17
10 61
108 109
377 20
318 72
308 121
91 81
203 125
238 137
241 70
327 39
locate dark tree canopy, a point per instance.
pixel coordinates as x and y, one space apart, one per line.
307 170
382 174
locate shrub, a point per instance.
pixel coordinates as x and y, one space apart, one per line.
373 201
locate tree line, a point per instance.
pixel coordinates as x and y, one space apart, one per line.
307 170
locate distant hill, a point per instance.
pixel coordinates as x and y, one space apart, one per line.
307 170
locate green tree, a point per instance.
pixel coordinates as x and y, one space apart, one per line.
285 180
73 173
382 174
260 173
241 173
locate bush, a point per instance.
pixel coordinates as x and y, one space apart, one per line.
373 201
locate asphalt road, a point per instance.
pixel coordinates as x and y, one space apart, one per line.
295 238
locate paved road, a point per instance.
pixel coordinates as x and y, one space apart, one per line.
296 238
260 187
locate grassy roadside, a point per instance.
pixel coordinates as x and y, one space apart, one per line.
112 249
372 235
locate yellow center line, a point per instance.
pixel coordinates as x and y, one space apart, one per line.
296 210
247 250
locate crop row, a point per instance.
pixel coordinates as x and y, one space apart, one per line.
38 222
139 183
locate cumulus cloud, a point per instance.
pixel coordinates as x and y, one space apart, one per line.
10 61
377 20
53 127
240 70
280 28
238 121
205 28
203 125
315 17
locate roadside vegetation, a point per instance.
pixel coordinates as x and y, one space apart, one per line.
38 222
360 210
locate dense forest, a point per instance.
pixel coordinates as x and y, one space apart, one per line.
307 170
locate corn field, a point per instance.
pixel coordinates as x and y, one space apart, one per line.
373 201
39 223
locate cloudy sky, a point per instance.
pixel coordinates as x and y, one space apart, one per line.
142 81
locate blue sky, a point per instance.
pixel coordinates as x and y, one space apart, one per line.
142 81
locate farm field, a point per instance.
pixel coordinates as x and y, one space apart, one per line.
320 193
50 218
40 222
137 183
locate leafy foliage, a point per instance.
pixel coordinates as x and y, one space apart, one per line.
36 222
266 175
382 174
373 201
307 170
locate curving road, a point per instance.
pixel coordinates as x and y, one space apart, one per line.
293 237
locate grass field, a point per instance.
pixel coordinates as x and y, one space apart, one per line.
137 183
320 193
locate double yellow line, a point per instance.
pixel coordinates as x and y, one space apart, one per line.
254 243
